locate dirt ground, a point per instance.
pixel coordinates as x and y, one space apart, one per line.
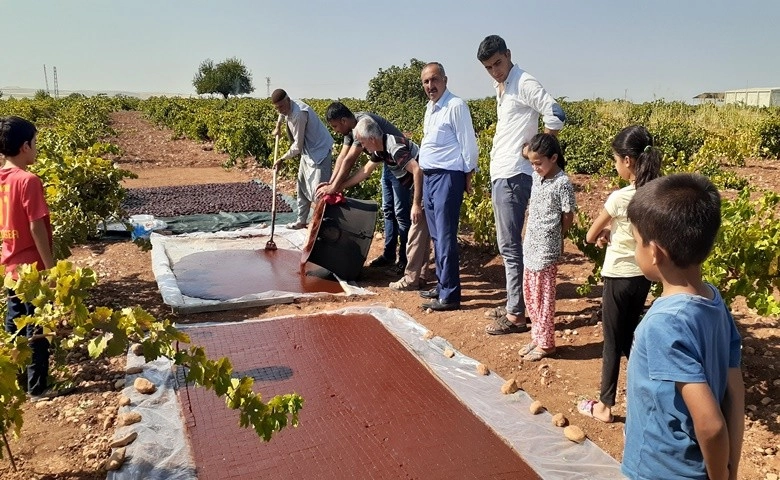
68 437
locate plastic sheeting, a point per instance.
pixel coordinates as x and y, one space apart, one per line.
214 222
161 450
542 445
168 250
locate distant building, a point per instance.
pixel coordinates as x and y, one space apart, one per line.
709 97
754 97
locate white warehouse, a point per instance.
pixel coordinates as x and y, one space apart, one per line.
754 97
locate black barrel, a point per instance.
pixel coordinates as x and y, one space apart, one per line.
339 242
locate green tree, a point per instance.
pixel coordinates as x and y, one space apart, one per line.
41 95
397 94
230 77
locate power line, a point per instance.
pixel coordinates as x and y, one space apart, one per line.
56 85
46 76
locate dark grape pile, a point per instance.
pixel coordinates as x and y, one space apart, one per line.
206 198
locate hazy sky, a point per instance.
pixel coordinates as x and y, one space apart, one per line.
576 48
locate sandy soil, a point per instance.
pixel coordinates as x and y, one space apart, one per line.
67 438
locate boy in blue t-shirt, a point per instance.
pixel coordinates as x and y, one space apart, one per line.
685 395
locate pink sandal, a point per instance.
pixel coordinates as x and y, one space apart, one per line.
526 349
585 407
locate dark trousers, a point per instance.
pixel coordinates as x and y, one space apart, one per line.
38 370
443 195
397 212
621 306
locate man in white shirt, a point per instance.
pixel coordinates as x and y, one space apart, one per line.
520 99
310 139
448 158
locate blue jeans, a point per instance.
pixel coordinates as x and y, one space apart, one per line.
397 212
510 201
442 197
38 370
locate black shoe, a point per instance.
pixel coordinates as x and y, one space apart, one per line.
431 294
439 306
381 261
396 270
51 392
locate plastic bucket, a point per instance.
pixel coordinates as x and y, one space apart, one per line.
144 225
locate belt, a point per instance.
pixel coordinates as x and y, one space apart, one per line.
435 171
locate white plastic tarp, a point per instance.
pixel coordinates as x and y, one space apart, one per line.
167 250
162 451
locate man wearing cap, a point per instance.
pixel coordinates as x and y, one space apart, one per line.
310 139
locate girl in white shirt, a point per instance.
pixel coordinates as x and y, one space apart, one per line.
625 288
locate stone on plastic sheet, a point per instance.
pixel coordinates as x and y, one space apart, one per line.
128 418
124 441
116 459
509 387
144 386
574 433
536 407
559 420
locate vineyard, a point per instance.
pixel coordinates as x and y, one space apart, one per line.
84 188
702 139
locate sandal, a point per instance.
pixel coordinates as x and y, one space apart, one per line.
537 354
405 285
526 349
503 326
585 407
497 312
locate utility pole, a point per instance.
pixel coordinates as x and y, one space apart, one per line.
46 76
56 86
267 86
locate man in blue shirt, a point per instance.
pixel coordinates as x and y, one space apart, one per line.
448 158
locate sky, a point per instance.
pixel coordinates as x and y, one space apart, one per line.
578 49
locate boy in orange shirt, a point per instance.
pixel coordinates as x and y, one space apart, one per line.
27 236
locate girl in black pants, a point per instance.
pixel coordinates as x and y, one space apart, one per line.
625 288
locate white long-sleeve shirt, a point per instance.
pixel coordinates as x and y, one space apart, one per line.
523 101
449 142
